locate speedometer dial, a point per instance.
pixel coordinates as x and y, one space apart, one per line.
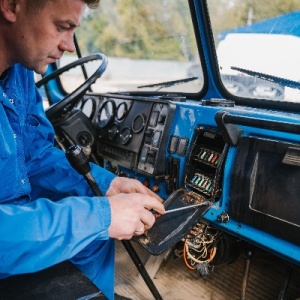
106 114
122 110
88 107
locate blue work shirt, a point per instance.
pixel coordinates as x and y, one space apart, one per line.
47 214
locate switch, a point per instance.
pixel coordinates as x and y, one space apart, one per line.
162 119
183 142
156 139
151 157
173 144
144 153
153 118
148 136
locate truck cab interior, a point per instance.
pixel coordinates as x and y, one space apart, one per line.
200 101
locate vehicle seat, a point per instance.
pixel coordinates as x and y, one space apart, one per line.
60 282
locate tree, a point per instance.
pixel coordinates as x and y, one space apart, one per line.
137 29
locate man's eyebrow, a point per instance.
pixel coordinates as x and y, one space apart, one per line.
70 23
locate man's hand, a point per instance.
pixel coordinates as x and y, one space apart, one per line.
128 185
131 203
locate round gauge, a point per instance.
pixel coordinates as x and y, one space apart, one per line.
106 114
88 107
125 135
84 139
138 123
113 131
122 110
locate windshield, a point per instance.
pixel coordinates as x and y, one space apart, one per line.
148 43
258 47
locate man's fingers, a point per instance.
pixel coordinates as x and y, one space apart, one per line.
132 214
153 204
140 230
128 185
151 193
148 219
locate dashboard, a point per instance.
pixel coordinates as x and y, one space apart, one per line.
241 162
132 133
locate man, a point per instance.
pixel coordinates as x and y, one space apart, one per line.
47 212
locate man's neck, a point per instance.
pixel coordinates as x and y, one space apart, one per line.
6 59
4 63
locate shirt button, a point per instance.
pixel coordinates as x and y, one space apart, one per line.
12 101
23 181
15 136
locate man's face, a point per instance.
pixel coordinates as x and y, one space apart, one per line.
42 37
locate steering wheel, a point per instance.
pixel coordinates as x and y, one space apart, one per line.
66 104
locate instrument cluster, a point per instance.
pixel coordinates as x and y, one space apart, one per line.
133 131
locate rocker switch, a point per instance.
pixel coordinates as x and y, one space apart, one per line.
151 157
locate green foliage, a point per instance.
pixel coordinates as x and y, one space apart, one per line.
139 29
162 29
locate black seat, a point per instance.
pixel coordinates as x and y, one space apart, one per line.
60 282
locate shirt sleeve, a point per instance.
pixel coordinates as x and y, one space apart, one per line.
42 233
48 168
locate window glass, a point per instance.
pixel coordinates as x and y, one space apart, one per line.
258 46
147 44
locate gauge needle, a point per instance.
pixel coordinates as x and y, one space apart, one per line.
185 207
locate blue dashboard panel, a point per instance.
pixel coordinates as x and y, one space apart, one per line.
201 148
189 116
255 236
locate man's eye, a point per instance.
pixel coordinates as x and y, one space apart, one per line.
62 28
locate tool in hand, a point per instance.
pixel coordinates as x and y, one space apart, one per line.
80 163
186 207
157 215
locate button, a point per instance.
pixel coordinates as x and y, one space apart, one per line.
162 119
151 157
153 118
156 138
173 144
148 136
182 145
15 136
12 101
23 181
144 154
155 188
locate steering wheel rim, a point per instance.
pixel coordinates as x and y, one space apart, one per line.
60 107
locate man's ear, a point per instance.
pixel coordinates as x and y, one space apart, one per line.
8 9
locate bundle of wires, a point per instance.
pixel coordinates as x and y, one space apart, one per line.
199 246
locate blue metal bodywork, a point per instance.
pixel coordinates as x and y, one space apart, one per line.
190 116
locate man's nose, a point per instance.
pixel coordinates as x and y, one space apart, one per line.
67 44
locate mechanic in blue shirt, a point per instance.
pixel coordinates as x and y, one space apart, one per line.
47 212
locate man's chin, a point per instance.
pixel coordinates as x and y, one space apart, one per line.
40 69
